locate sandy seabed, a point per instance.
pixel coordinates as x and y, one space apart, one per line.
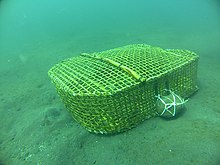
36 128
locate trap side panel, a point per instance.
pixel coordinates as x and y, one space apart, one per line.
114 113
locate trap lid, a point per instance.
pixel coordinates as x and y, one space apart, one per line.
107 72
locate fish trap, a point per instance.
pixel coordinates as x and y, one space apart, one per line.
114 90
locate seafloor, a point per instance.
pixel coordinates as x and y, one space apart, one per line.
35 128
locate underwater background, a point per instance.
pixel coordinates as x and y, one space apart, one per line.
35 127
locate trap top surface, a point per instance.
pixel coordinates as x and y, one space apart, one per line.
110 71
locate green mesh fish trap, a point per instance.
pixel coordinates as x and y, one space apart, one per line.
114 90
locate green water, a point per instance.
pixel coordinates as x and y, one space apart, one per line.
35 127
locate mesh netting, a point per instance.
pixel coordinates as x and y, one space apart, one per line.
114 90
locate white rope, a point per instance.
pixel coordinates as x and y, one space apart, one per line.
172 103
